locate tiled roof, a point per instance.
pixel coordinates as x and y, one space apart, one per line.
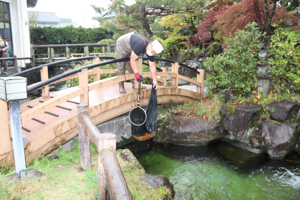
44 17
108 15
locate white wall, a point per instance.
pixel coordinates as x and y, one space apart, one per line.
20 29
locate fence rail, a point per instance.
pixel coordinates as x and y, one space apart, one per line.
15 59
112 183
106 50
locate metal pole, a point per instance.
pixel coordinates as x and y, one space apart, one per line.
16 129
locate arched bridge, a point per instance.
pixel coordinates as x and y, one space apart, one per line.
51 120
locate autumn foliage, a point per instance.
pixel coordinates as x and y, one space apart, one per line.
205 28
237 16
226 18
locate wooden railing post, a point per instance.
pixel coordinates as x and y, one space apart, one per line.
105 141
15 63
164 70
44 77
109 48
96 59
200 78
68 53
175 71
5 142
84 140
83 84
103 50
139 67
52 53
86 51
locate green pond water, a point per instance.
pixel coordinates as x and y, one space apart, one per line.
224 172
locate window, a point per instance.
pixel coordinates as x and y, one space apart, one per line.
5 27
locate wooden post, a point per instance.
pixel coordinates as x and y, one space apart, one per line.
16 129
103 50
109 48
86 51
106 140
84 140
5 145
139 67
44 77
116 182
164 70
52 53
200 79
83 84
15 63
33 61
49 53
96 59
68 53
175 71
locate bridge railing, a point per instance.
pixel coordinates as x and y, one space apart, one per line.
84 87
111 178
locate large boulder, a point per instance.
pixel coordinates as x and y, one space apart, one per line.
280 138
284 111
186 71
241 121
187 131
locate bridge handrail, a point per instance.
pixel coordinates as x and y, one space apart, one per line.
111 178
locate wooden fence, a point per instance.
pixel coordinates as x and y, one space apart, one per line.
51 56
112 184
15 59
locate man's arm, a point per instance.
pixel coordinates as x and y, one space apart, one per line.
6 47
153 73
133 58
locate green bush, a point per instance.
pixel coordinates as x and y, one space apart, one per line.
173 45
236 67
66 35
100 49
75 82
284 59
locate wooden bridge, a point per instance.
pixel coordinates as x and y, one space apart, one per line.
51 120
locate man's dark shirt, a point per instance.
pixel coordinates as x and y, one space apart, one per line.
138 45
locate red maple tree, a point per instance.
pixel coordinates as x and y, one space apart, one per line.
264 12
205 28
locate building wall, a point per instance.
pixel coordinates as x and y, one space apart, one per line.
20 30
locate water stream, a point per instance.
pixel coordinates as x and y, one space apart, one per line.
221 171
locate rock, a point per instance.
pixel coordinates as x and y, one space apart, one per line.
284 111
187 131
280 139
128 156
240 121
186 71
158 181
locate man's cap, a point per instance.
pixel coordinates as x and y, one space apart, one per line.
157 46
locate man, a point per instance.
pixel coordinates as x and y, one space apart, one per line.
133 44
3 47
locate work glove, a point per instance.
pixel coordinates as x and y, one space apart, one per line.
138 77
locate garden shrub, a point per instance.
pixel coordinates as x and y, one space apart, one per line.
100 49
284 59
173 45
236 67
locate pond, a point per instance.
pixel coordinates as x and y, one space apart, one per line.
222 171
